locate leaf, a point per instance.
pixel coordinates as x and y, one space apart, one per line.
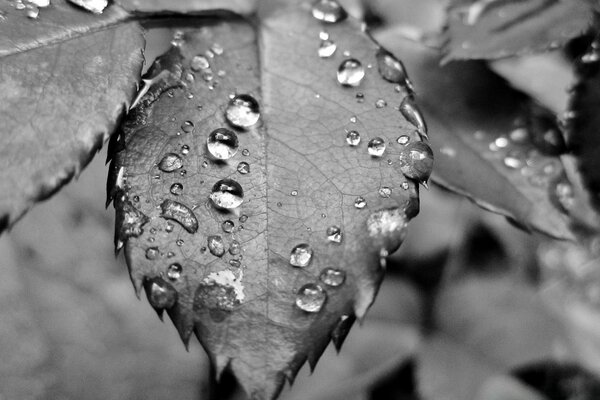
485 326
62 96
188 6
303 179
468 108
489 29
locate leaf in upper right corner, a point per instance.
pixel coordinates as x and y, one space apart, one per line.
490 29
490 143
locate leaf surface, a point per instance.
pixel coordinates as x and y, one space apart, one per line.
188 7
488 29
470 111
303 179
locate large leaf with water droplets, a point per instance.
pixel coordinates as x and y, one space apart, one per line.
490 144
227 274
500 28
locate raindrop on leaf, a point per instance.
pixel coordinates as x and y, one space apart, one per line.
301 255
222 143
416 161
329 11
376 147
311 298
242 111
170 162
227 194
350 72
332 277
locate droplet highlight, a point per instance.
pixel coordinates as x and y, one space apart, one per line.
222 143
301 255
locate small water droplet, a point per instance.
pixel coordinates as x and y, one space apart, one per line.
410 111
332 277
174 271
376 147
183 172
176 189
514 159
216 246
227 194
227 226
152 253
301 255
207 76
169 228
204 164
360 97
243 218
161 295
392 70
179 213
380 103
311 298
235 263
329 11
170 162
360 203
242 111
353 119
217 49
385 192
403 140
519 135
350 72
178 38
222 143
327 48
353 138
235 248
170 254
565 194
243 168
294 193
246 152
404 185
199 62
334 234
32 12
323 35
416 161
187 126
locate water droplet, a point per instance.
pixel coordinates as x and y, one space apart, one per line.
519 135
152 253
410 111
235 263
353 138
327 48
380 103
353 119
216 246
385 192
183 172
40 3
227 226
391 69
360 203
176 189
207 76
174 271
246 152
178 38
185 149
170 162
323 35
301 255
169 228
514 159
222 143
332 277
403 140
311 298
243 168
204 164
179 213
329 11
170 254
404 185
217 49
565 194
294 193
360 97
416 161
161 294
334 234
243 218
387 228
235 248
242 111
227 194
350 72
376 147
32 12
129 220
187 126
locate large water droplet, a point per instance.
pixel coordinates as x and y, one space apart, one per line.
391 69
327 48
353 138
174 271
311 298
242 111
334 234
416 161
350 72
179 213
387 228
199 63
360 203
152 253
216 246
161 295
376 147
170 162
243 168
301 255
227 226
235 248
411 112
227 194
403 140
222 143
329 11
332 277
385 192
176 189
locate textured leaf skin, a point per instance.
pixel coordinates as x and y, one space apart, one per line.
509 27
459 100
60 102
298 145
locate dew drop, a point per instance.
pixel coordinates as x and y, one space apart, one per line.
301 255
246 152
199 62
169 228
410 111
294 193
519 135
187 126
332 277
514 159
176 189
243 218
391 69
222 143
227 226
327 48
323 35
360 203
380 103
404 185
350 72
360 97
216 246
161 294
152 253
227 194
235 263
170 162
385 192
334 234
311 298
32 12
329 11
217 49
353 119
183 172
416 161
403 140
174 271
179 213
353 138
376 147
243 168
242 111
565 194
235 248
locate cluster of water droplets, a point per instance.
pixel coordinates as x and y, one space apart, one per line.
31 8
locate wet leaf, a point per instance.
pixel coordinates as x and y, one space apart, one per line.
66 79
490 143
253 293
188 6
488 29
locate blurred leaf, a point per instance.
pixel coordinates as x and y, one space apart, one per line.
490 144
505 388
491 29
303 178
